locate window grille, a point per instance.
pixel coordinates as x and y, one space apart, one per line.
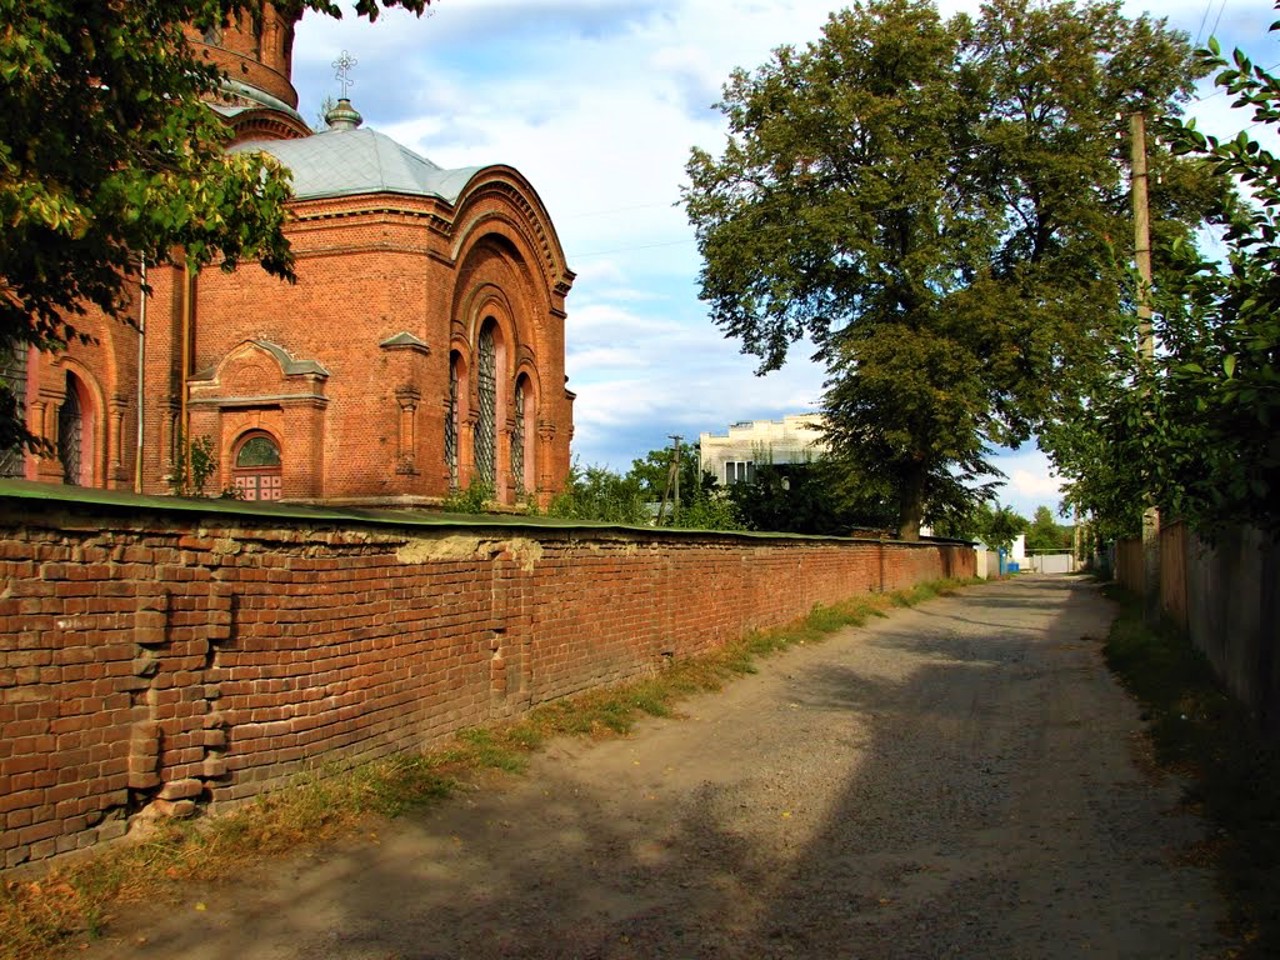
486 429
451 425
517 441
258 452
70 434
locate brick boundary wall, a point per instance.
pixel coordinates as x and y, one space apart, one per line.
158 656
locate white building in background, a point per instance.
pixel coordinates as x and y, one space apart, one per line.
733 456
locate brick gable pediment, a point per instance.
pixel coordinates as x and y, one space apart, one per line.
259 369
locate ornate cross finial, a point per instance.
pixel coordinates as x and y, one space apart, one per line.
343 65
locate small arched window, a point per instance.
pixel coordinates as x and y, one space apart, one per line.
258 471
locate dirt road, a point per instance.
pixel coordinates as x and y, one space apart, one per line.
954 781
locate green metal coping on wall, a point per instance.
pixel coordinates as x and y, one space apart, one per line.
14 492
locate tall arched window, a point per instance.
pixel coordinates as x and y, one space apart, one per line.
257 473
524 437
518 435
451 419
487 397
13 376
71 434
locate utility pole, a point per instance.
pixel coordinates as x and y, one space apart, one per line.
1146 347
674 474
673 483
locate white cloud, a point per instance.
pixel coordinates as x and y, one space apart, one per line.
1031 481
1028 484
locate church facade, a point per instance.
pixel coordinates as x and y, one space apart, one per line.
421 350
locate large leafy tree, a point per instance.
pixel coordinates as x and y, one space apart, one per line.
1196 430
109 153
933 203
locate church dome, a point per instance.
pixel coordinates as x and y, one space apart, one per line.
345 161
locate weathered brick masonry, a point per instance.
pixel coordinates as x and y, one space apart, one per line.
155 656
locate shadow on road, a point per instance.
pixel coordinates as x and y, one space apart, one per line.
952 781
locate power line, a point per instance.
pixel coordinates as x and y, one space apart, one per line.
1200 32
604 213
643 246
1222 90
1219 20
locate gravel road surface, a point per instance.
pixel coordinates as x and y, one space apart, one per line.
956 780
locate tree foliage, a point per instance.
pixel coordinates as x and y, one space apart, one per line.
1044 533
1197 430
809 498
604 495
598 493
993 524
653 471
933 204
109 153
999 526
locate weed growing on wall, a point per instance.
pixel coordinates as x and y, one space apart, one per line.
474 499
193 464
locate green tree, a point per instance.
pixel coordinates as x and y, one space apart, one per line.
598 493
653 469
931 203
108 153
999 526
703 505
1043 533
707 509
1221 362
809 498
1196 430
604 495
984 520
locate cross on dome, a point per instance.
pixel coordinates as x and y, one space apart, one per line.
343 66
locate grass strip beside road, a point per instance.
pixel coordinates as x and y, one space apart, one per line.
74 901
1204 735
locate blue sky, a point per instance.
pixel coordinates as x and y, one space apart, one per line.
598 103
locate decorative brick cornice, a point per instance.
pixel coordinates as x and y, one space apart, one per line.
263 400
532 222
266 124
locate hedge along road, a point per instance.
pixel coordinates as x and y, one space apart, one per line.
955 780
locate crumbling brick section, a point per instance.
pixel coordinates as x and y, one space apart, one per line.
154 663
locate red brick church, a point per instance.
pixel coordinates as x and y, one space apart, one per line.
421 350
